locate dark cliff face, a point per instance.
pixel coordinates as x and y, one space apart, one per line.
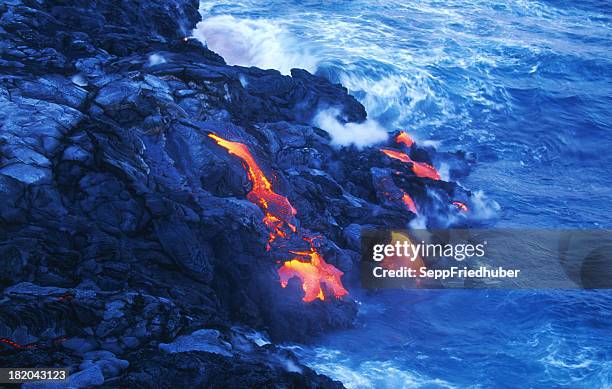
125 231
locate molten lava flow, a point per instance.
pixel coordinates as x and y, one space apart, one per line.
409 203
11 346
395 262
279 218
31 346
404 138
278 211
420 169
462 207
312 274
397 155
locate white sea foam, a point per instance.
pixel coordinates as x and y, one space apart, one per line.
419 222
254 42
483 207
444 171
370 374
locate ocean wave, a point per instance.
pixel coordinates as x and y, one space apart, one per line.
254 42
369 374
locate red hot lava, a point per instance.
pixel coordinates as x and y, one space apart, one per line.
404 138
312 273
278 211
462 207
420 169
393 194
279 218
31 346
397 155
16 345
409 203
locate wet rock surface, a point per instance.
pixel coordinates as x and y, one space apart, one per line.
129 249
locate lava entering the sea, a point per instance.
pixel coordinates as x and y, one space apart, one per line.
420 169
280 220
409 203
312 274
394 262
460 206
404 138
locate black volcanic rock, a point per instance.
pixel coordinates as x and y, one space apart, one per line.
124 226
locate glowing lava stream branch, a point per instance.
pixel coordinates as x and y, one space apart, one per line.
312 274
279 213
404 138
420 169
460 206
280 220
409 203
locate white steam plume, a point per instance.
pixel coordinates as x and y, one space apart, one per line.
358 134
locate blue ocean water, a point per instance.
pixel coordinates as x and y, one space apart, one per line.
524 85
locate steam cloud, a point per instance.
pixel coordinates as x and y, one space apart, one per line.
359 134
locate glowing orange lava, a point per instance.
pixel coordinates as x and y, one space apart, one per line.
394 262
404 138
32 346
420 169
312 274
409 203
397 155
278 211
462 207
279 219
13 344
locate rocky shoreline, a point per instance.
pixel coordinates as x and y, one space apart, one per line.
129 249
